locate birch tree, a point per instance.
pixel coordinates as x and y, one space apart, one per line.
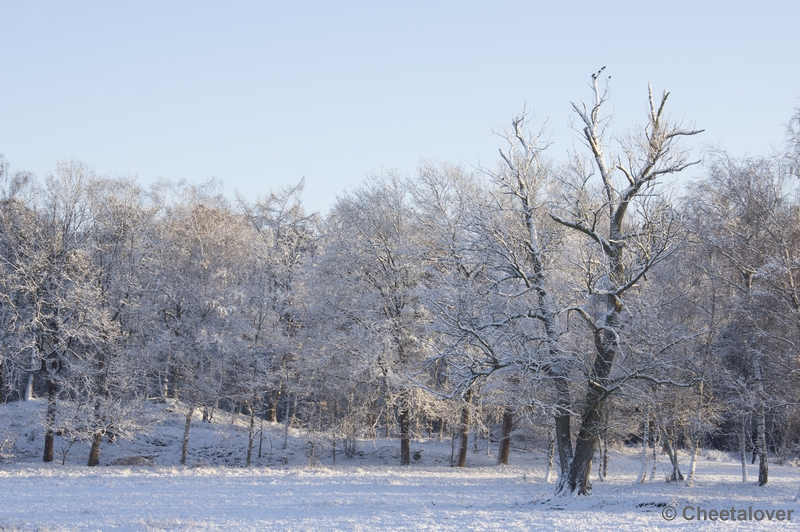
746 214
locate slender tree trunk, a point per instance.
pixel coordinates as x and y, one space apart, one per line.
28 388
286 420
645 437
656 444
185 446
551 454
505 440
464 429
563 431
743 449
695 450
273 406
761 445
101 391
94 452
405 436
251 435
50 420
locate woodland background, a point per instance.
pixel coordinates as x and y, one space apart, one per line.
603 298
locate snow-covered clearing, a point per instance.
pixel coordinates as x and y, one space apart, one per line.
365 493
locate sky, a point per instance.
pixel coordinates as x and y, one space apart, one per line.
261 94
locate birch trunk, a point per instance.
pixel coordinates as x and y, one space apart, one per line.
551 454
185 445
695 449
645 437
743 450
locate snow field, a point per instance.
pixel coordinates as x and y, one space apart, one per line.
368 492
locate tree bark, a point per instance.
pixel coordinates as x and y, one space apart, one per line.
464 430
50 420
743 449
656 443
185 445
405 436
563 430
645 437
695 450
251 433
94 452
578 480
605 343
505 440
761 445
551 454
673 458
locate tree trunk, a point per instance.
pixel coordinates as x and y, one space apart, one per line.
605 342
673 458
405 436
273 406
505 440
645 437
563 431
29 384
581 468
743 449
761 445
50 420
94 453
551 454
185 445
464 430
695 450
656 444
3 394
250 435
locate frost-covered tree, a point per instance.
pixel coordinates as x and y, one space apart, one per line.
281 238
367 276
746 215
617 204
197 327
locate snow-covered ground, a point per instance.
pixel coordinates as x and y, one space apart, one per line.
365 493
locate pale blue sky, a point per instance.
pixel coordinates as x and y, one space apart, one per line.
259 94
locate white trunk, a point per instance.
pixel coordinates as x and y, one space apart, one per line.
29 388
185 446
743 451
693 462
656 443
551 454
645 437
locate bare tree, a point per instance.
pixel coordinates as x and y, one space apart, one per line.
628 229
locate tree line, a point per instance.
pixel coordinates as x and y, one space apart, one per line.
593 297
